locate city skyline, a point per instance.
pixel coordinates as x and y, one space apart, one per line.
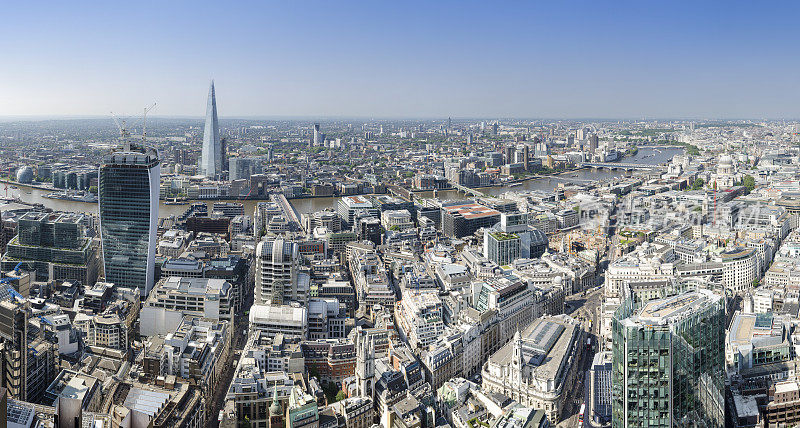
400 214
413 60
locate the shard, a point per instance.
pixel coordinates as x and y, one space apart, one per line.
211 157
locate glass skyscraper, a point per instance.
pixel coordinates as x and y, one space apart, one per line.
128 189
668 357
211 163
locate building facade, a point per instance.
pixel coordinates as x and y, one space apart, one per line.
211 156
668 357
128 189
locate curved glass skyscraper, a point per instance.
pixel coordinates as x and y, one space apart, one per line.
128 189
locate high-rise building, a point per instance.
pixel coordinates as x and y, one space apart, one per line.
509 154
278 280
28 359
594 142
315 136
526 157
128 188
349 206
211 156
668 357
244 167
54 246
223 151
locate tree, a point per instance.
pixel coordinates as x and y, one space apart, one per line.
698 184
340 396
749 183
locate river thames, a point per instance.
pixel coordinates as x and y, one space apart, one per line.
649 156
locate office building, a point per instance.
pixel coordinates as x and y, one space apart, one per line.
128 189
598 403
419 318
211 156
197 350
594 143
170 404
228 209
241 168
316 136
512 238
107 317
668 357
28 359
333 360
388 203
53 247
303 411
263 380
278 279
349 206
328 219
291 321
397 220
460 219
368 228
175 297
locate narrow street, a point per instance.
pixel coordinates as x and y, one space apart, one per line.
583 308
216 403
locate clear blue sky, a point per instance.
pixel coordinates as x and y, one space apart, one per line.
626 59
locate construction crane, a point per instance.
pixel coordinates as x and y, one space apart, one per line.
124 129
144 122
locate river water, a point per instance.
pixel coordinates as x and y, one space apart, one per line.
648 156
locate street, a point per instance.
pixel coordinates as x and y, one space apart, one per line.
216 403
583 308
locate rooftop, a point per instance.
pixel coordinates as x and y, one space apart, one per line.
545 343
673 308
471 210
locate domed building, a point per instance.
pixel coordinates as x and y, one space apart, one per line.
25 175
725 165
726 174
513 239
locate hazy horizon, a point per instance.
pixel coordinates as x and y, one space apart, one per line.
565 60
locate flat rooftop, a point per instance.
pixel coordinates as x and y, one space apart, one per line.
357 202
471 210
746 327
673 308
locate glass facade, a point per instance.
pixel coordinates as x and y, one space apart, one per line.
502 248
211 156
128 194
55 246
668 372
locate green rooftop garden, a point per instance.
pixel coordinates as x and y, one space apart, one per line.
502 236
